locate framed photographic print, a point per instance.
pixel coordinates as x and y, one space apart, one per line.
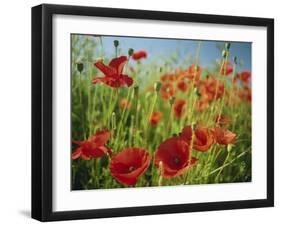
146 112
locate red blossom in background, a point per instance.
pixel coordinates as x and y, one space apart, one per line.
113 73
224 136
128 165
155 117
173 157
94 147
244 76
139 55
179 107
193 72
182 85
226 68
167 90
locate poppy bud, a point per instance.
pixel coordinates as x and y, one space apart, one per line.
80 67
223 53
235 59
131 52
157 86
229 147
136 91
172 100
227 45
116 43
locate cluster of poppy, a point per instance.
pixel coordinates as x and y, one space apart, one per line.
209 88
173 156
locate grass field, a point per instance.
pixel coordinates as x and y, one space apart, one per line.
140 122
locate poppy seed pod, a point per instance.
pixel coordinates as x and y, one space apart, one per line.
80 67
157 86
116 43
227 45
223 54
131 52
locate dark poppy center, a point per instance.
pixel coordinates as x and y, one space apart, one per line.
176 160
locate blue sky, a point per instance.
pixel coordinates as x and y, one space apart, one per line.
164 47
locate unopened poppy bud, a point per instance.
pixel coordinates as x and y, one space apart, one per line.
131 52
227 45
172 100
136 91
157 86
223 54
235 59
229 147
80 67
116 43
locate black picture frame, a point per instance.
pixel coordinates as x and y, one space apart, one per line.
42 108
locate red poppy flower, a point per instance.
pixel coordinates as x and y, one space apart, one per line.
139 55
155 117
244 76
94 147
245 94
128 165
175 156
224 136
193 72
167 90
226 68
169 77
211 88
113 73
179 107
182 85
202 139
125 104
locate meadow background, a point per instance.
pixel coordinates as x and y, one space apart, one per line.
126 111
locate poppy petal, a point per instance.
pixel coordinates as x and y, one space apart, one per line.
107 71
118 64
76 153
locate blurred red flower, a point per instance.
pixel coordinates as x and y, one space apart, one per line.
94 147
193 72
167 90
179 107
224 136
182 85
244 76
113 73
226 68
168 77
211 88
128 165
139 55
155 117
245 94
173 157
202 139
